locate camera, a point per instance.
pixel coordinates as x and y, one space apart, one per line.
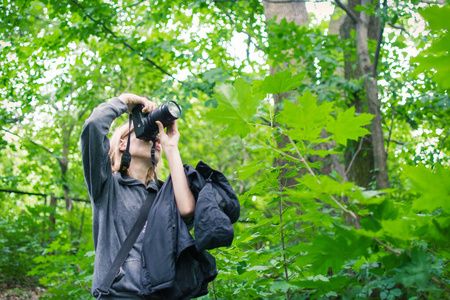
145 127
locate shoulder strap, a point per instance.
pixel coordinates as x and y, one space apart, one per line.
132 236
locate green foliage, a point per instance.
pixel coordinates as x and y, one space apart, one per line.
437 56
67 263
22 235
317 236
323 237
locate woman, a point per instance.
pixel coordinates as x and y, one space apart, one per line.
117 196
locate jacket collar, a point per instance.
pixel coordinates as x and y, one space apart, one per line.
130 181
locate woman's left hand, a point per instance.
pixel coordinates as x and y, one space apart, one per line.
169 140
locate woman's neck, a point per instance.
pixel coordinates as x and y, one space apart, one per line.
138 171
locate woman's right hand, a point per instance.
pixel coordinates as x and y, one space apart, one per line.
131 100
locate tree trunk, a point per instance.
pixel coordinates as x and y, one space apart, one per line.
365 159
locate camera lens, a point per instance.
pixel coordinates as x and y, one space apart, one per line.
174 109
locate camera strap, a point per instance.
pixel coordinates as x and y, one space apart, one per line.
127 245
153 159
126 157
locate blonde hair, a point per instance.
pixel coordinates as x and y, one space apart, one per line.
115 154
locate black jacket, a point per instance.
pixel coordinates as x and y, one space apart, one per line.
175 266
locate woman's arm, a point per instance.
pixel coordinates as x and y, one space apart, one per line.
183 195
95 143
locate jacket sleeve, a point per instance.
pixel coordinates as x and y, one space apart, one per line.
95 146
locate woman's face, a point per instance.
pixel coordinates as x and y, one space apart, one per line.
142 149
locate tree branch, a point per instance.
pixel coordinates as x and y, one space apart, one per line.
441 284
352 16
29 140
41 195
34 143
135 4
390 131
388 249
354 215
124 43
433 1
398 27
354 156
442 143
379 40
250 39
285 1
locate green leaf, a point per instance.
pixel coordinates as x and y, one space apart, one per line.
432 188
306 119
348 126
332 252
439 63
279 82
437 57
282 286
416 271
236 107
437 17
401 229
248 170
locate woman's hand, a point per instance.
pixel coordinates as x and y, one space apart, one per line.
169 140
183 195
131 100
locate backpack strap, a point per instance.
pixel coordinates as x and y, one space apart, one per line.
131 238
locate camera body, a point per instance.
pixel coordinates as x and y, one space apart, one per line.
145 127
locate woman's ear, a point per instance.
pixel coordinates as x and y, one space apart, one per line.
123 145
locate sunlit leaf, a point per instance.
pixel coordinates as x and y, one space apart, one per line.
279 82
432 188
347 126
236 107
306 119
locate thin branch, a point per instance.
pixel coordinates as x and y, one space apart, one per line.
33 142
398 27
433 1
352 16
16 21
280 207
388 249
302 158
379 41
250 39
354 156
390 131
124 43
285 1
278 151
135 4
395 141
441 284
354 215
442 143
42 195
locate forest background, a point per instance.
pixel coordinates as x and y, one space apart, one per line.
332 127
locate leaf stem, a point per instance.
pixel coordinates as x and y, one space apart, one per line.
276 150
302 158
